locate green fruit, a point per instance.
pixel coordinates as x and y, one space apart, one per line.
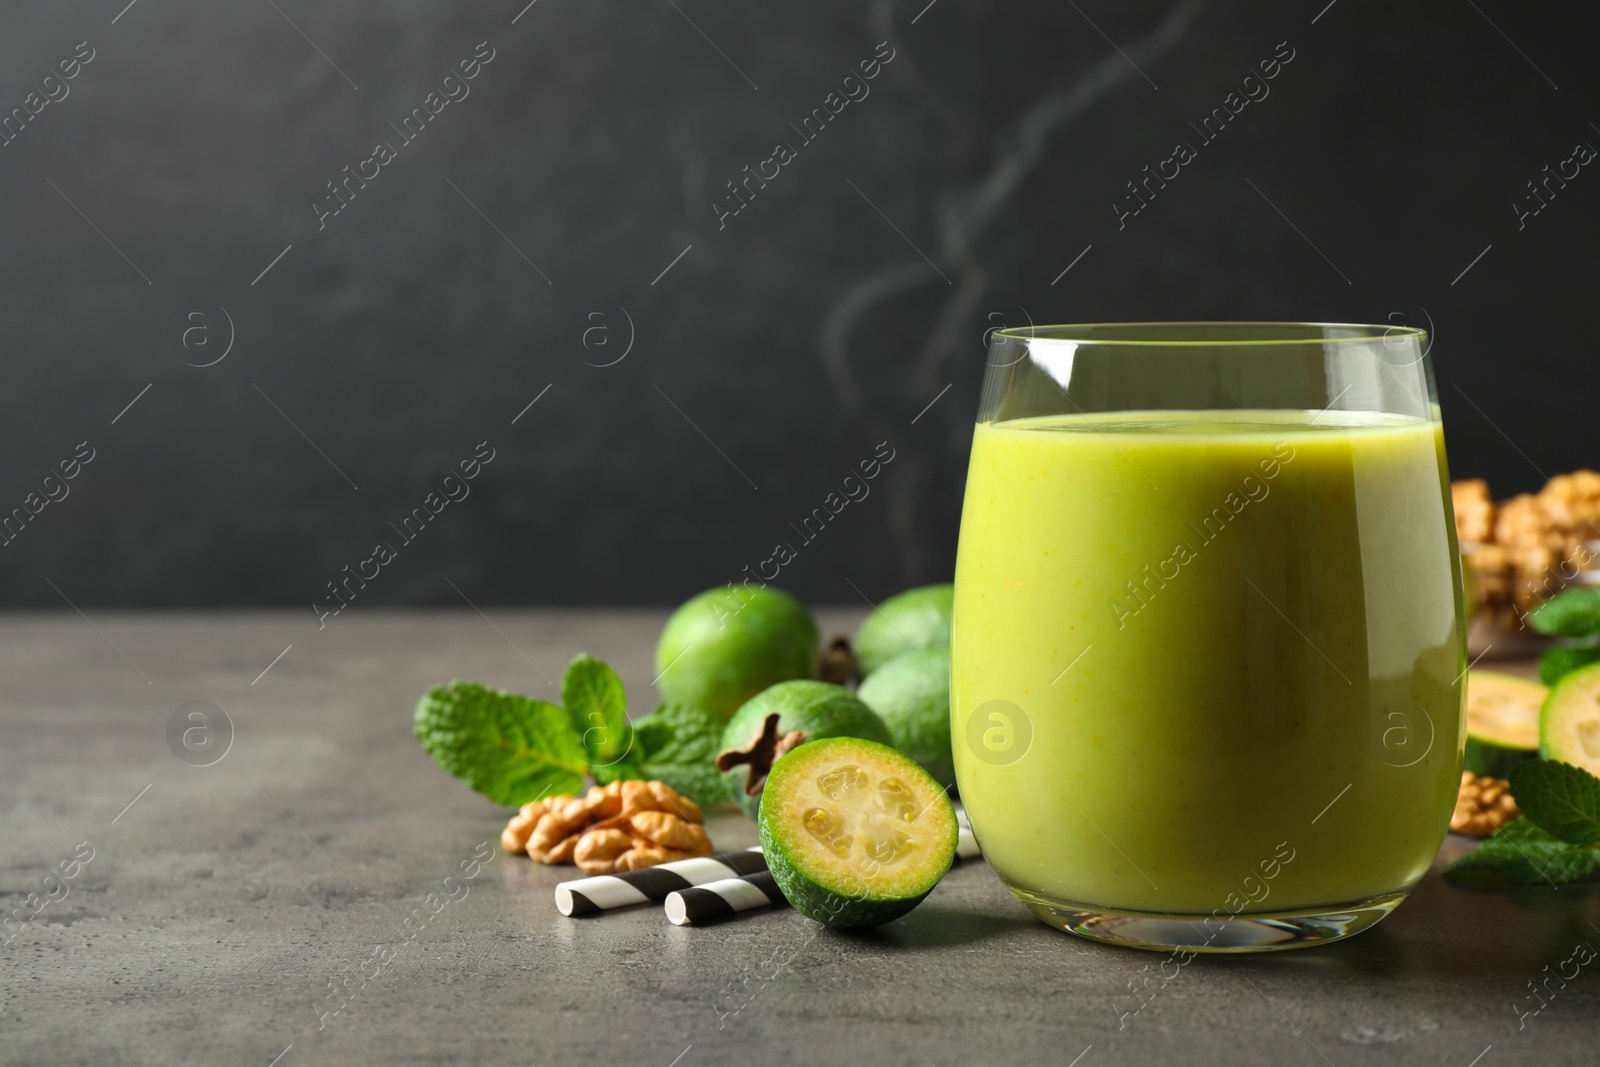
1502 722
728 644
816 708
917 618
911 693
854 833
1569 727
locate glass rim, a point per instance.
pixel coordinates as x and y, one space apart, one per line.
1088 333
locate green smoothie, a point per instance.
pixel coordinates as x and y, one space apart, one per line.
1193 647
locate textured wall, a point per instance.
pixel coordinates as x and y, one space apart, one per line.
584 168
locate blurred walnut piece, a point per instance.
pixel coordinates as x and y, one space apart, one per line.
623 826
1483 806
1525 550
1474 511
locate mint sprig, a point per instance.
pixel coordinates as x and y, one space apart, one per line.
514 749
1571 613
1556 663
1555 841
677 744
1523 854
594 698
510 748
1561 799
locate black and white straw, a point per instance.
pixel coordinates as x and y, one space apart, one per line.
724 899
604 892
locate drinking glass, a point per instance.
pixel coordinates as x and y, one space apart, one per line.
1207 650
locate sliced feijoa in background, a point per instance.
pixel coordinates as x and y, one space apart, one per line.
855 834
1569 728
1502 721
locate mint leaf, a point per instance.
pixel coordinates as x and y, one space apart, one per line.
1523 854
1557 663
510 748
594 699
1561 799
1573 613
677 744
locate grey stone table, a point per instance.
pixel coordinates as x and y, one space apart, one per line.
211 909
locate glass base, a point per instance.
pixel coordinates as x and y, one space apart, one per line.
1246 932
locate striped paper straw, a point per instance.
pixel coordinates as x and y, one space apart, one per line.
719 900
716 901
591 896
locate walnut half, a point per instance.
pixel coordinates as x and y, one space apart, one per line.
623 826
1483 806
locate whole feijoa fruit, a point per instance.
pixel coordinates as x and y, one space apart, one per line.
911 694
726 645
917 618
816 709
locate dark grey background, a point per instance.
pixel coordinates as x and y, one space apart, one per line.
791 342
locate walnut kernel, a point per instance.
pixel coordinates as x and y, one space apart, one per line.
623 826
1483 805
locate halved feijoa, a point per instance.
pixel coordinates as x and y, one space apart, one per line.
1569 729
1502 721
855 834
